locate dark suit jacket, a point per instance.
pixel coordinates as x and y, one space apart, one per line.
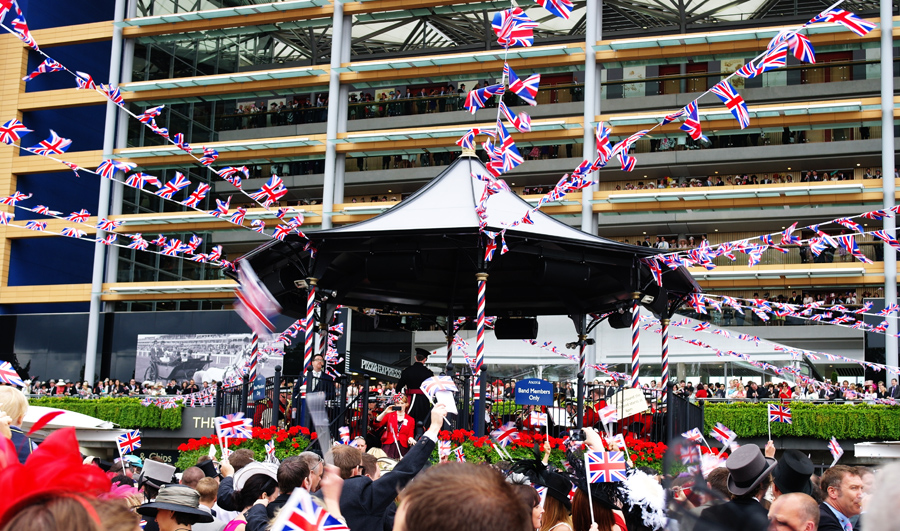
225 496
894 391
364 503
829 522
736 515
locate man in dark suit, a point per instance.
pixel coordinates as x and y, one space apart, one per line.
411 383
320 380
369 505
749 477
843 489
894 389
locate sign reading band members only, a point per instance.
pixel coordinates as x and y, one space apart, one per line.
534 392
629 402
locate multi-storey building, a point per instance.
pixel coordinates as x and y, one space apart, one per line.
357 104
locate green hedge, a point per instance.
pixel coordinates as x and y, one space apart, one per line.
821 421
126 412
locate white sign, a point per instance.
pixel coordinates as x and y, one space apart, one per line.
629 402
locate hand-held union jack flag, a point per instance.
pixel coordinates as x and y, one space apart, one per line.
432 385
302 513
835 449
722 434
538 419
779 413
129 441
733 101
604 467
460 454
8 375
609 414
693 435
233 426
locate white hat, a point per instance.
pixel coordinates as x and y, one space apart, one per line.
252 469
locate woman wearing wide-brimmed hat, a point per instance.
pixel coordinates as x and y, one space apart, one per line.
176 507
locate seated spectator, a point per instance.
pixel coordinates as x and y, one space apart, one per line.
14 405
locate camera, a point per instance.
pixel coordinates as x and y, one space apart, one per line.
395 408
576 435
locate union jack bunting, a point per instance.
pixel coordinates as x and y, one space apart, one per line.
109 239
8 375
477 98
857 25
20 28
160 241
5 218
701 327
848 242
196 196
147 116
490 248
628 162
238 217
255 304
216 253
892 308
877 215
653 264
513 28
55 145
161 131
508 151
748 71
221 208
233 175
850 224
180 182
527 89
270 192
138 180
5 6
138 242
779 413
36 226
281 232
467 141
45 211
109 167
604 467
106 224
624 145
234 426
604 152
733 101
835 448
259 226
696 302
522 121
558 8
693 435
774 58
722 434
195 242
12 131
302 513
209 156
432 385
801 48
787 238
114 94
669 118
460 454
84 81
887 238
49 65
691 124
173 247
178 139
538 419
72 233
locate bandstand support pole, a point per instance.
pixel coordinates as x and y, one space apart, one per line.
582 368
480 399
635 339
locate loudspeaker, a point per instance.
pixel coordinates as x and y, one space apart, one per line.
656 299
620 320
388 267
556 273
519 328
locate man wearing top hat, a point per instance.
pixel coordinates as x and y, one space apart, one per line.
792 474
176 507
411 383
749 476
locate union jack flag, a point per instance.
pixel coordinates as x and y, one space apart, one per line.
45 211
881 327
701 327
467 141
344 432
693 435
608 415
173 247
460 454
801 47
438 383
877 214
137 180
270 192
302 513
195 242
848 242
477 98
886 237
259 226
558 8
733 101
691 123
55 145
624 145
779 413
221 208
690 454
255 304
508 150
443 449
216 253
774 58
270 450
8 375
12 131
161 131
850 224
506 434
20 28
138 242
109 167
180 182
234 426
84 81
114 94
522 122
835 448
36 226
238 217
196 196
72 233
513 28
604 152
160 241
147 116
281 232
527 89
653 264
5 218
857 25
209 156
108 225
604 467
109 239
892 308
178 139
490 248
786 238
5 6
722 434
49 65
749 71
538 419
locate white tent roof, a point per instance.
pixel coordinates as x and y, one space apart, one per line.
87 428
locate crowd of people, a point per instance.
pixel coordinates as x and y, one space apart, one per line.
737 390
114 388
53 486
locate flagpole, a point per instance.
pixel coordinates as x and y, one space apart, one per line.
768 416
706 442
588 478
724 446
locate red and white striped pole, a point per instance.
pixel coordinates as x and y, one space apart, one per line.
481 278
254 356
664 379
310 332
635 340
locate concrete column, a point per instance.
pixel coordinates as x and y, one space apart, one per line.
593 31
334 103
109 138
681 372
888 185
341 160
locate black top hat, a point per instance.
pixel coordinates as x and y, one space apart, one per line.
177 498
793 473
422 353
209 468
558 486
747 467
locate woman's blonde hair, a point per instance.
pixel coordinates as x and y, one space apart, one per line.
14 403
554 513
